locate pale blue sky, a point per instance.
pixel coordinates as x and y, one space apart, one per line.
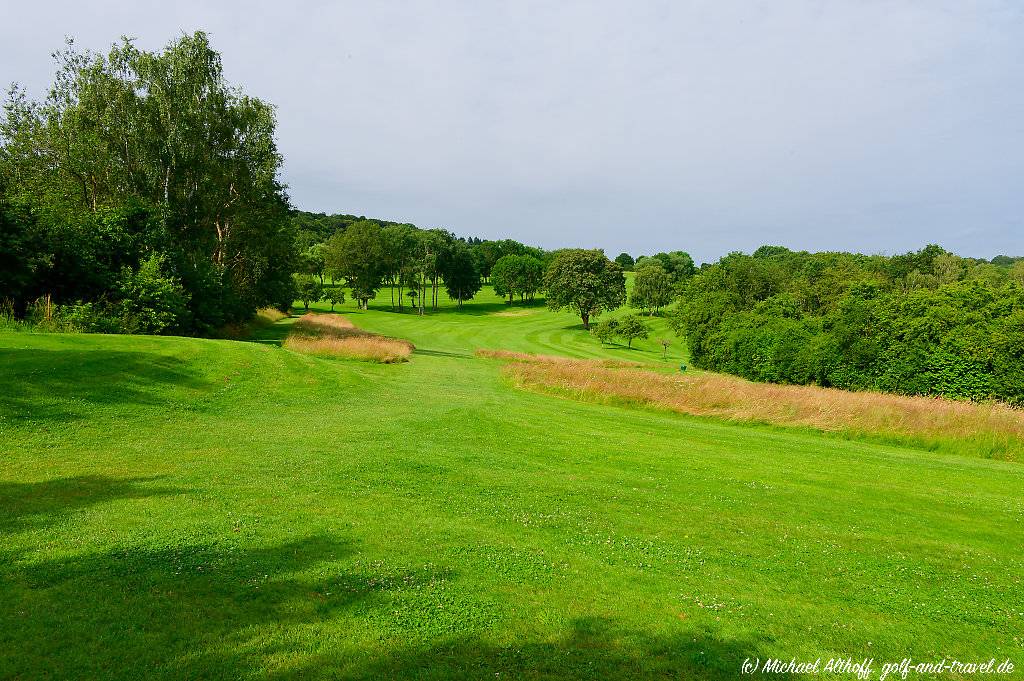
703 126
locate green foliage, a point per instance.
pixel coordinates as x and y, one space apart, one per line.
521 275
335 295
357 255
584 281
625 261
922 323
632 327
677 264
606 330
133 155
152 300
310 290
652 288
459 270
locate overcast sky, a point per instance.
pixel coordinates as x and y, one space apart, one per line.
702 126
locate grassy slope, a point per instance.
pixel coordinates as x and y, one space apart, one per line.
190 508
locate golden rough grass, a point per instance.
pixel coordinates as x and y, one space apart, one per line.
270 315
263 318
336 336
554 359
991 429
513 313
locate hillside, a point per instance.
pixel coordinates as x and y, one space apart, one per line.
195 508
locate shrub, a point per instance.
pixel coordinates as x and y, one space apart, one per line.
151 301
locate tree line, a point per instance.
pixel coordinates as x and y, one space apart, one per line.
922 323
371 256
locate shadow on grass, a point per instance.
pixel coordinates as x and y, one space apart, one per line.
213 610
274 334
223 609
591 648
441 353
468 309
44 384
30 505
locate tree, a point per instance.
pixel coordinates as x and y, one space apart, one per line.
357 256
606 330
632 327
458 269
335 296
1017 272
584 281
309 289
677 264
531 276
665 343
160 135
311 261
398 244
505 276
625 261
652 288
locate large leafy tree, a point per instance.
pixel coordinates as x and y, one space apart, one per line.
357 255
505 276
461 277
161 133
652 288
585 281
677 264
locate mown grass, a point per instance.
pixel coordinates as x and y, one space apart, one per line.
181 508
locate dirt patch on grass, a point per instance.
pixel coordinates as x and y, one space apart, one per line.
336 336
992 430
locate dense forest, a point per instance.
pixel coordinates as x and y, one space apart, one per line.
922 323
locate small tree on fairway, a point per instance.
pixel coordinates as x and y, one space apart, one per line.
625 261
335 296
632 327
606 330
584 281
664 348
310 290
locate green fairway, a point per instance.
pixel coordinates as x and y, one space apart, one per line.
186 508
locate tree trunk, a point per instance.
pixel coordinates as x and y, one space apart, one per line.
586 320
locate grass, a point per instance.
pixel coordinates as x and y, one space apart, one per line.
182 508
991 430
335 336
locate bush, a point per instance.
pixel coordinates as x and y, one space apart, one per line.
152 301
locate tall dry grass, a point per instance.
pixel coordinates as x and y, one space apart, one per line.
336 336
555 359
992 430
264 317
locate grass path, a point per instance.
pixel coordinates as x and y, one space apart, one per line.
183 508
